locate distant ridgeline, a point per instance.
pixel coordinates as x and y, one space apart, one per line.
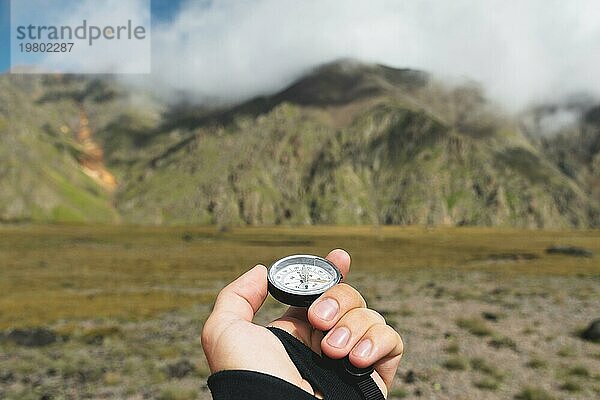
349 143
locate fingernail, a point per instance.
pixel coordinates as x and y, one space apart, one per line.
363 349
326 309
339 337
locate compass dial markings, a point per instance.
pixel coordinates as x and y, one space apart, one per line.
303 277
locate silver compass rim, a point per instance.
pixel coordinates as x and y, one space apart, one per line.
335 281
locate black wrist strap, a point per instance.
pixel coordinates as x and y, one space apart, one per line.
326 375
362 377
369 389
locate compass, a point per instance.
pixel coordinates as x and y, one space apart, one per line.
299 279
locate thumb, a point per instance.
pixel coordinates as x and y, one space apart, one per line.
242 298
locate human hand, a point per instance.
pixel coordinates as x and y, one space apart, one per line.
231 341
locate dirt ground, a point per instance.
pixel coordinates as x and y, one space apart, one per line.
484 328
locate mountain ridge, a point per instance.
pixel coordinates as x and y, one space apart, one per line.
347 143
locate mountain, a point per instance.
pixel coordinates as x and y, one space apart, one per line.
40 176
576 150
55 132
348 143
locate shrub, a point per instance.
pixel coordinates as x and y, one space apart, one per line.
452 348
97 334
566 351
456 364
570 386
479 364
487 383
112 378
536 363
579 370
475 326
533 393
500 342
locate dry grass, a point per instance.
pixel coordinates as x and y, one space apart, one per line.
134 272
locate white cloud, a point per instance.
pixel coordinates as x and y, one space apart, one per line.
521 50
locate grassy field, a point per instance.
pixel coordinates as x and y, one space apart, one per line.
485 313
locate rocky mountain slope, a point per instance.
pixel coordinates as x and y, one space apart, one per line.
576 151
348 143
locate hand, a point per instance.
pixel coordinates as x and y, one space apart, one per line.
231 341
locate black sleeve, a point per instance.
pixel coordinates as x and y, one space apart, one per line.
325 375
250 385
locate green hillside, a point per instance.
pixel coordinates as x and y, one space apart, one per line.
39 174
348 143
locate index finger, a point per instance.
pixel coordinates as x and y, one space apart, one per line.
341 259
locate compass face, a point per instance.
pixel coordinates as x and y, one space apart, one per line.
304 275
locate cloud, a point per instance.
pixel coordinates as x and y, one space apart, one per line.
522 51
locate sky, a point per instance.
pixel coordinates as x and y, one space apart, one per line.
521 51
4 35
162 11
